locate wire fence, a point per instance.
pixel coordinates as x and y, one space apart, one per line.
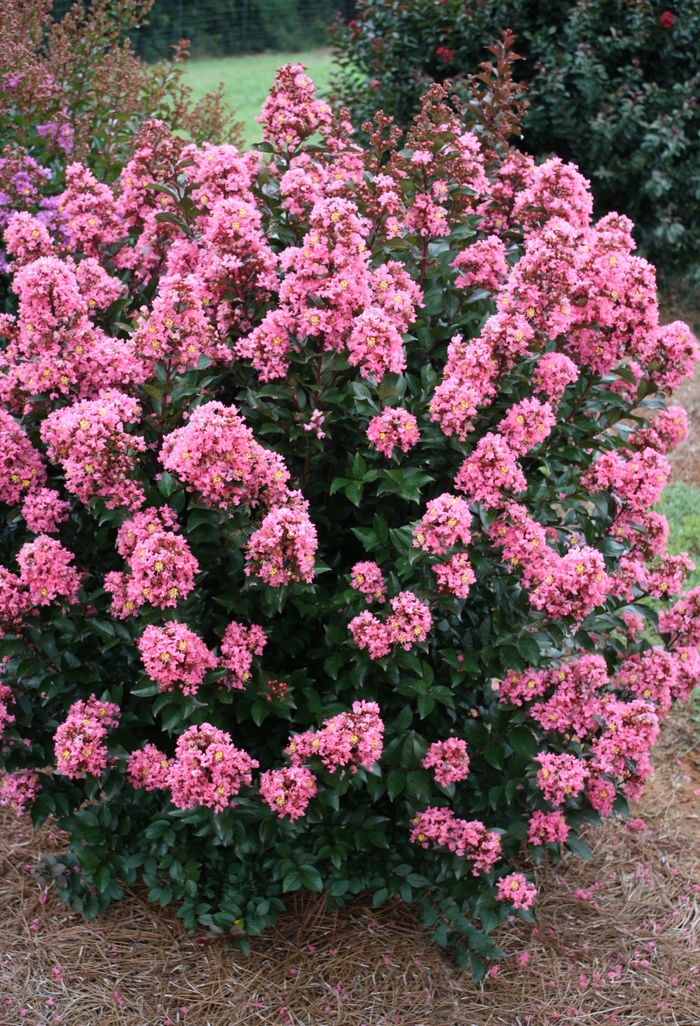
222 28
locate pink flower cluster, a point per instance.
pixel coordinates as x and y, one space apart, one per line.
97 455
408 624
367 578
666 432
288 791
148 767
482 265
394 427
577 699
547 827
174 656
238 646
516 889
79 740
490 472
18 790
455 576
43 510
177 328
466 838
21 466
46 571
448 760
208 769
682 621
561 776
467 384
161 563
290 113
6 696
283 549
216 455
526 424
553 372
571 585
349 739
637 482
445 523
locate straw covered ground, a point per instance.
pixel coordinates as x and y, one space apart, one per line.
616 942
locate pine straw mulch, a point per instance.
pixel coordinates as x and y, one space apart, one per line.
616 942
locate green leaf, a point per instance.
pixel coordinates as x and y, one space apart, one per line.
396 781
529 649
579 847
522 741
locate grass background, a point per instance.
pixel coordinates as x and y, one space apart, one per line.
246 80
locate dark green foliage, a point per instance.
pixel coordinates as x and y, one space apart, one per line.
611 89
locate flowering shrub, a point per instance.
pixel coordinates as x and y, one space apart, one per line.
330 560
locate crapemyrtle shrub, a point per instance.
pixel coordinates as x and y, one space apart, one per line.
73 90
613 88
329 556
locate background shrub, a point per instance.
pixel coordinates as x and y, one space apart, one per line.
329 557
74 90
613 88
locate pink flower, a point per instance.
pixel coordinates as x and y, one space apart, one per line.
601 794
666 20
208 769
560 776
376 345
516 889
482 265
288 791
547 827
446 522
468 839
78 741
97 455
283 548
43 510
367 578
18 790
148 767
455 576
411 620
354 739
238 646
490 472
290 113
216 455
161 562
526 424
373 634
394 427
553 372
21 466
174 656
449 760
46 572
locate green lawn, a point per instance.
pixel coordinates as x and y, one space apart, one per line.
246 80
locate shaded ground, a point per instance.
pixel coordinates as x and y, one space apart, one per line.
616 942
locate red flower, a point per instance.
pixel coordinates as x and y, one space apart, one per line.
667 21
445 54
